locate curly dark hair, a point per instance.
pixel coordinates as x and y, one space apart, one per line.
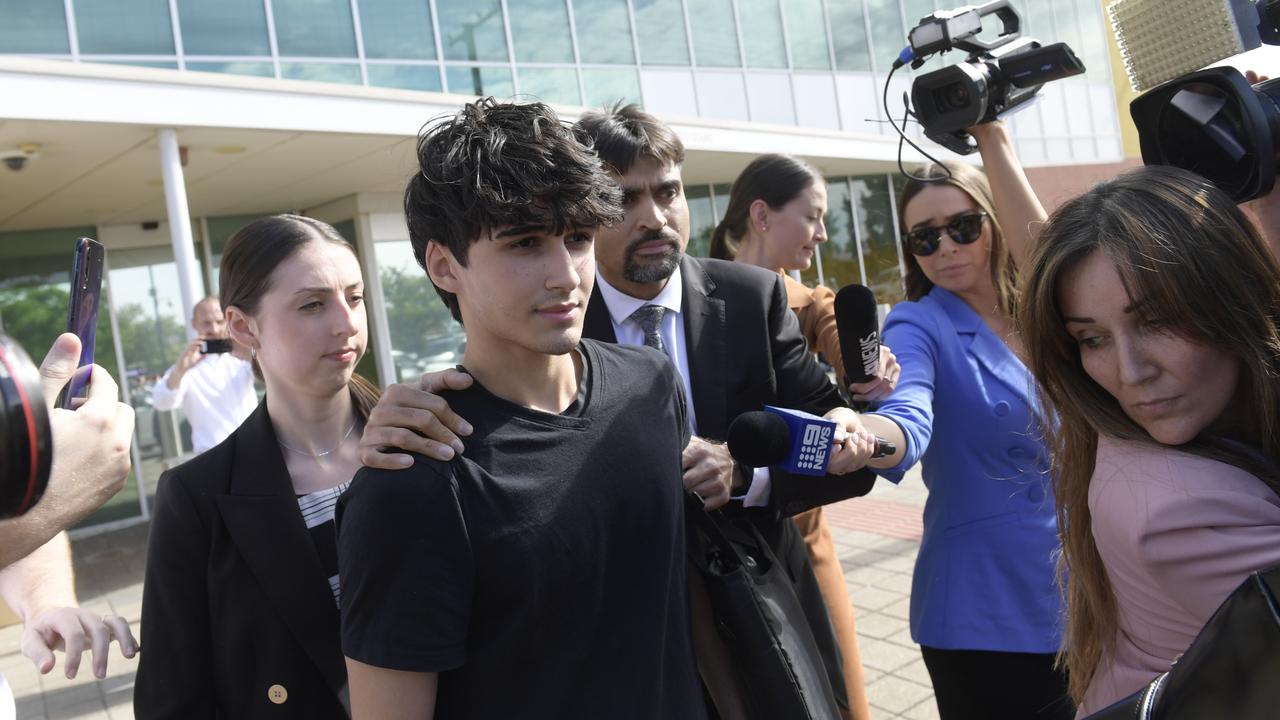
499 163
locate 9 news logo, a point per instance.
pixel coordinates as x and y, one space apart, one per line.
814 447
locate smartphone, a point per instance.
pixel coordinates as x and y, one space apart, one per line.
82 312
215 346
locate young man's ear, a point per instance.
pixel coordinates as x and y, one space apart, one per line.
242 328
441 266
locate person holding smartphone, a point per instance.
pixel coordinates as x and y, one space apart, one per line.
212 381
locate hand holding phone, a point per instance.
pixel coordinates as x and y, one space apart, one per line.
82 312
215 346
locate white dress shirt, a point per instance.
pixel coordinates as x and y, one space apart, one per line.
216 395
629 332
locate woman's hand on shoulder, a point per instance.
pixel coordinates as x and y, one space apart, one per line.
415 418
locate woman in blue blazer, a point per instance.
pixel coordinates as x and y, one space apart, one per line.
985 606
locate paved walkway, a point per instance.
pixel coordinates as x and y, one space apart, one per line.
877 538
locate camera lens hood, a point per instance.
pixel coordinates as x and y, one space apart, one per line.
26 445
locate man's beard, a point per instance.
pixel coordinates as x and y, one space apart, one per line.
659 267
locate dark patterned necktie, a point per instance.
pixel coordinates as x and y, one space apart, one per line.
649 318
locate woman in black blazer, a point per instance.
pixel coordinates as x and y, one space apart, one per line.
239 604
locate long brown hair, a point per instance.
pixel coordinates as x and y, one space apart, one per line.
972 182
1201 271
253 254
775 179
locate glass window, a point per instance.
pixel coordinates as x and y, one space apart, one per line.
702 219
223 27
669 91
660 28
879 237
424 336
540 30
1090 33
33 26
604 32
851 46
552 85
124 27
840 252
916 9
722 95
407 77
397 29
887 34
321 72
603 88
160 64
807 31
479 81
471 30
715 39
720 191
762 38
259 69
314 28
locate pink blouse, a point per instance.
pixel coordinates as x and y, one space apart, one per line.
1177 533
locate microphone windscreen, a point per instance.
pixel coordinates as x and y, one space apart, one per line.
859 327
759 439
1160 40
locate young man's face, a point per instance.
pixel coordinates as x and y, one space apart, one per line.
523 289
638 254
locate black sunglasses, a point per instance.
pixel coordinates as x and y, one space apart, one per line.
963 229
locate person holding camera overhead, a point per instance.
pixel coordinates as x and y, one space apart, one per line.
985 606
212 381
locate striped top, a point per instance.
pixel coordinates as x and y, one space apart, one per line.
317 512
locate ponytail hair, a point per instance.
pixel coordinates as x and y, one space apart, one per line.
775 179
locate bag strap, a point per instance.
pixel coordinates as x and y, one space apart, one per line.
708 523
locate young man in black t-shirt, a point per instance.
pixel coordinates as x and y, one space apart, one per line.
542 574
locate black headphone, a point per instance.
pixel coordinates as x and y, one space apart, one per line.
26 445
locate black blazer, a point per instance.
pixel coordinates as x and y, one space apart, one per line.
745 351
238 620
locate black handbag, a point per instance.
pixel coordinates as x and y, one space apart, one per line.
1231 670
775 658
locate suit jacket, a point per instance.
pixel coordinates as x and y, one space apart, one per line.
237 614
1177 533
984 578
745 351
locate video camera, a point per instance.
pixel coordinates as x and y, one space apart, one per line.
1211 122
26 444
995 78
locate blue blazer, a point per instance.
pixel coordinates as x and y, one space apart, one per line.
984 578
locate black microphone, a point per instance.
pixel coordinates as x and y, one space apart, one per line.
763 438
859 327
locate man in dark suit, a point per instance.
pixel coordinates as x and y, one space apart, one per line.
725 326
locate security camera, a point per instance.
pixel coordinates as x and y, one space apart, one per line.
17 159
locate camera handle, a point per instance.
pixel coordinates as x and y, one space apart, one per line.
1010 23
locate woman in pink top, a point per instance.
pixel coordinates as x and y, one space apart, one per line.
1150 315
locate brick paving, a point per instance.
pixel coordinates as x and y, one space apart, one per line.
877 538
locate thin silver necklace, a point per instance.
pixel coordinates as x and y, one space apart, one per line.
326 452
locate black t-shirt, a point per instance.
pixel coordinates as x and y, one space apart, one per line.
543 573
